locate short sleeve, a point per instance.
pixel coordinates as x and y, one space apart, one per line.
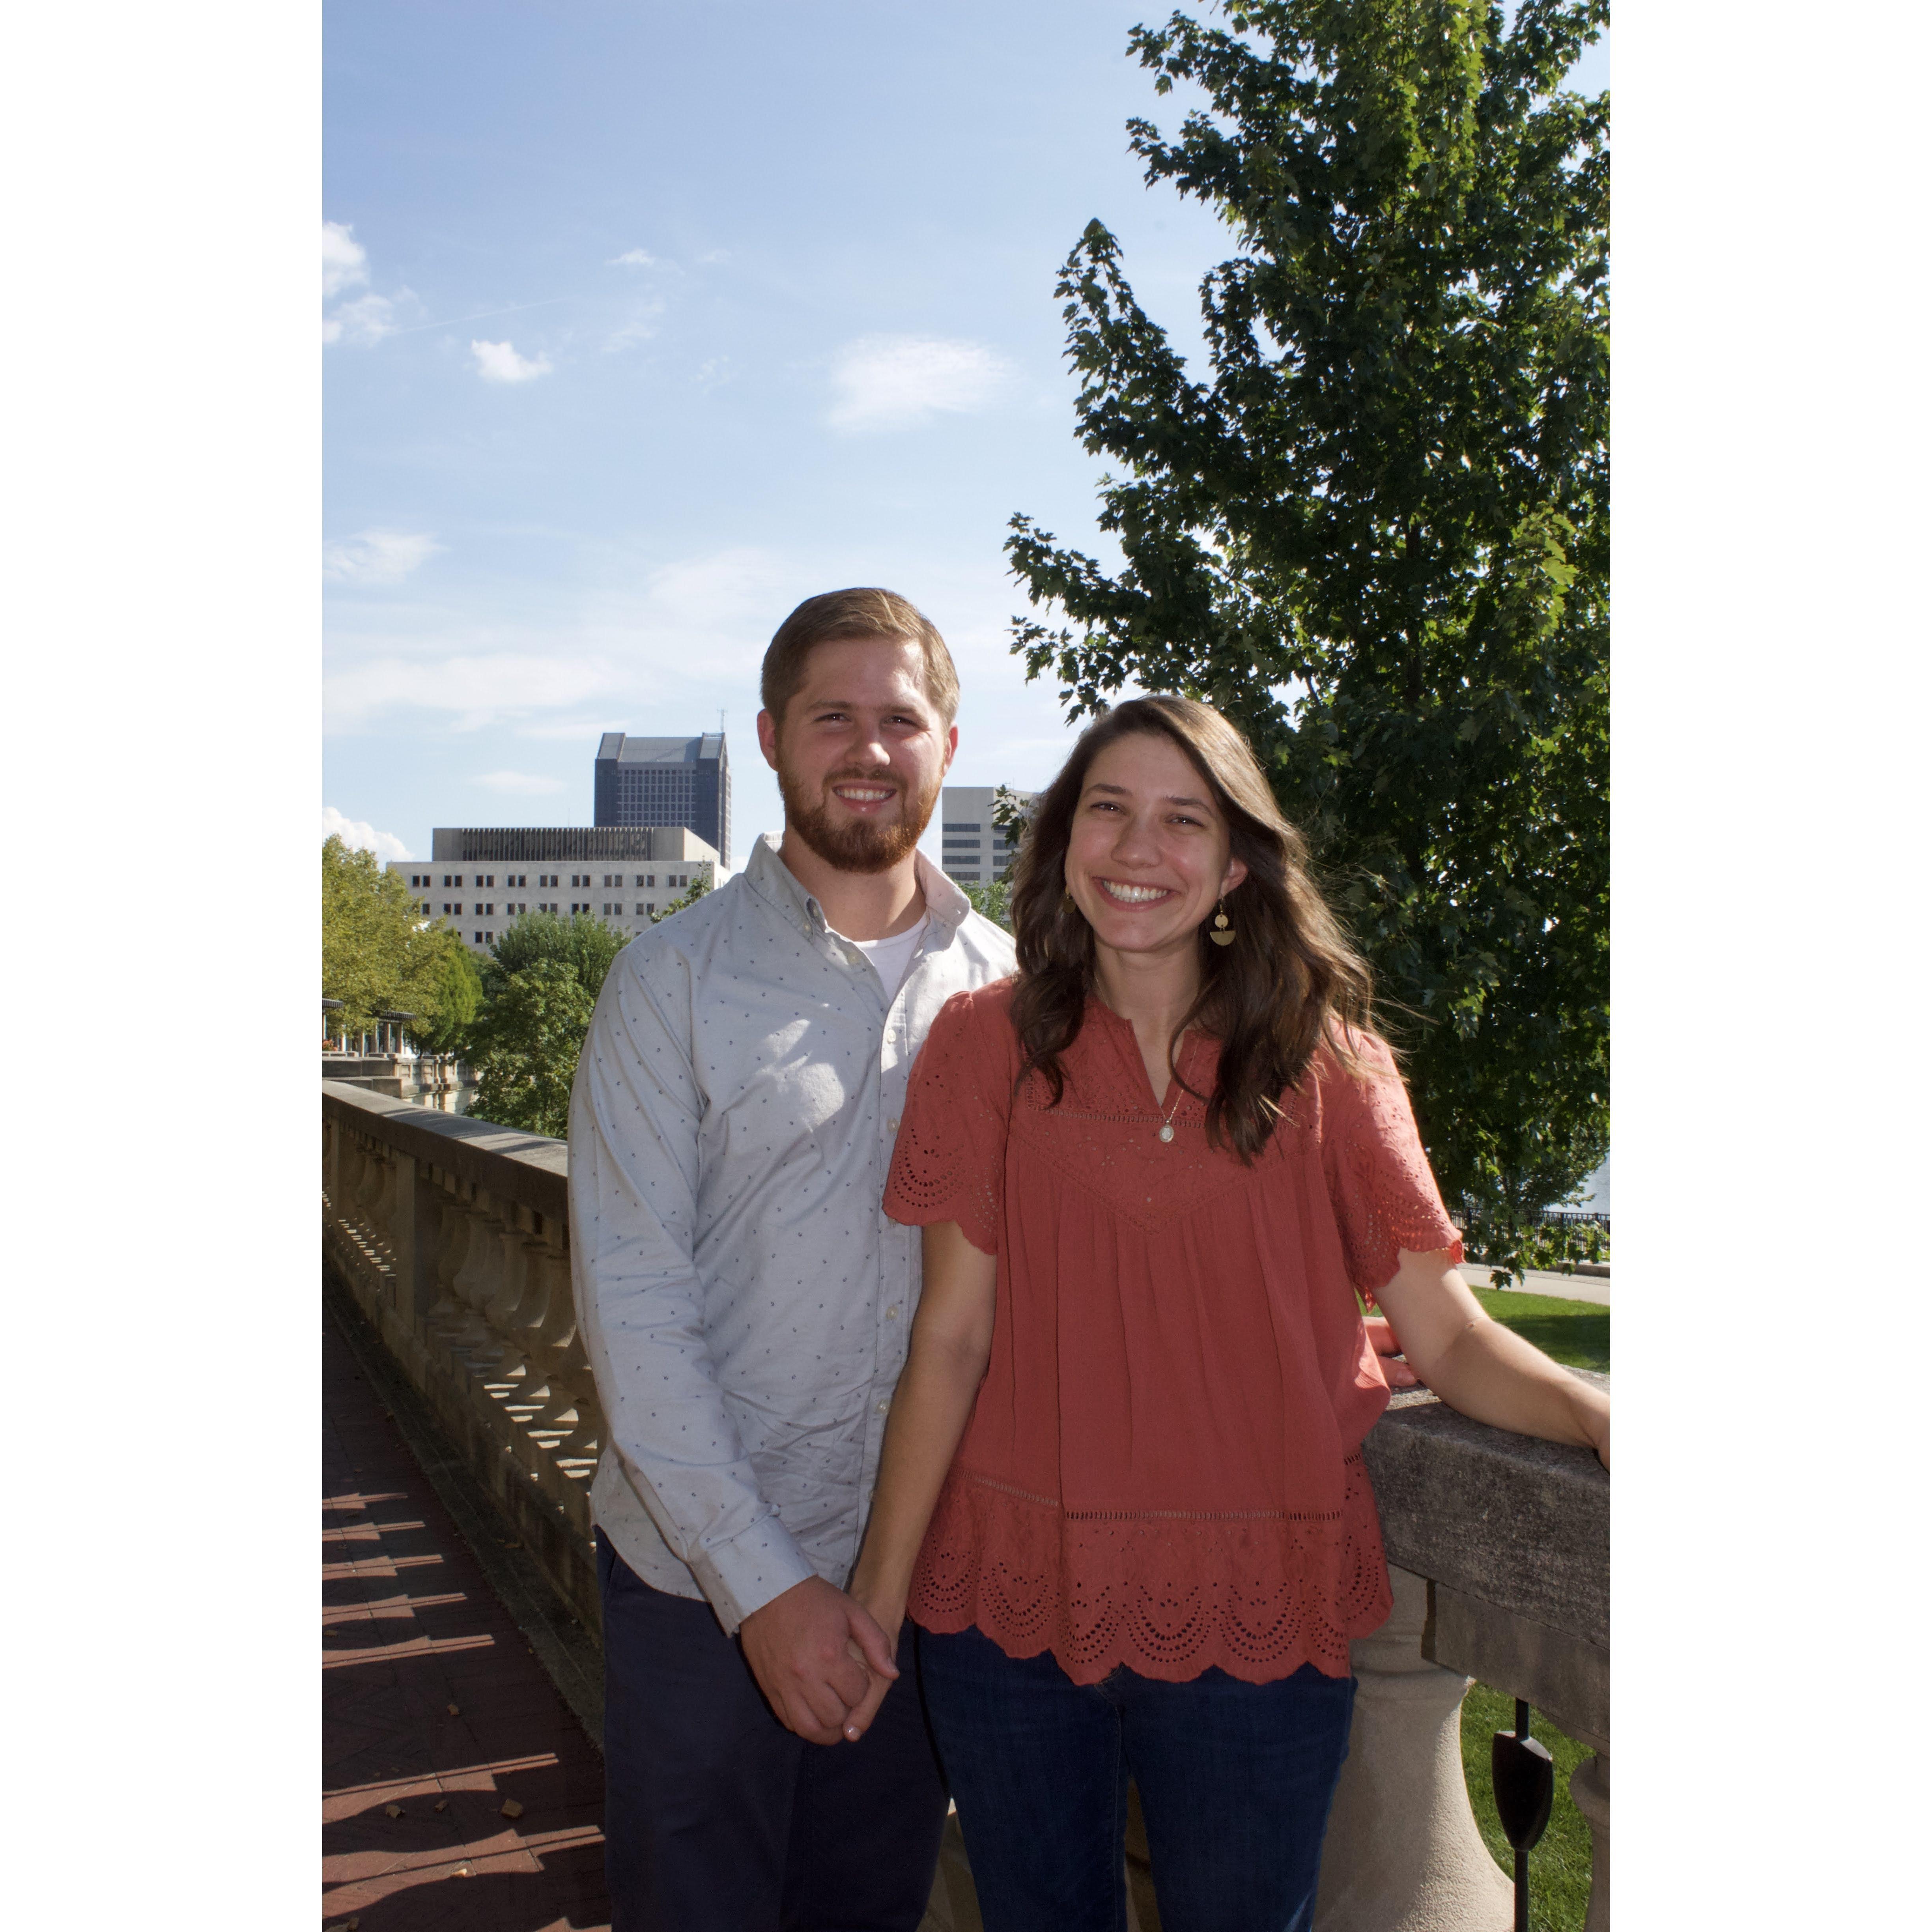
1384 1196
949 1162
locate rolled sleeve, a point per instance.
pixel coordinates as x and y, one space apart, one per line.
1380 1182
949 1163
636 1110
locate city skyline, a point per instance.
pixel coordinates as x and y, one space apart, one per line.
613 382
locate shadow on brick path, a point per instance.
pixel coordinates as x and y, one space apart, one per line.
409 1629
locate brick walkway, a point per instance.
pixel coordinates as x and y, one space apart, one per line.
434 1706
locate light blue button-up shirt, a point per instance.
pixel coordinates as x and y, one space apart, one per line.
744 1302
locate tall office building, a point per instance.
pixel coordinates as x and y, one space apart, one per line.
974 851
666 782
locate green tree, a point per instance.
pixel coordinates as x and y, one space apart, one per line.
378 953
992 901
583 943
698 887
1376 534
459 997
523 1050
540 986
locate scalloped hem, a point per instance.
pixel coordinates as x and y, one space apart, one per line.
1167 1595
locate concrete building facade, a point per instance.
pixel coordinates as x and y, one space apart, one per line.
666 782
973 851
479 879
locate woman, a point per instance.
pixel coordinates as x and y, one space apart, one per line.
1152 1170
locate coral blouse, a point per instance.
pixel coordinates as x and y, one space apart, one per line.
1163 1469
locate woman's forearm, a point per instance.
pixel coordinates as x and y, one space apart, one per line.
930 1411
1494 1376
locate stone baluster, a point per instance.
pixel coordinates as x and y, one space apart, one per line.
1590 1788
1403 1853
444 1312
464 1338
350 1167
370 1191
507 1377
573 1408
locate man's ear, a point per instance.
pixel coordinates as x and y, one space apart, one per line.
951 746
768 738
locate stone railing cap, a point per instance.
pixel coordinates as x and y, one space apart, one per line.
1516 1522
531 1169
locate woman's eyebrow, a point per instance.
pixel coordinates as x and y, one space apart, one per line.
1172 798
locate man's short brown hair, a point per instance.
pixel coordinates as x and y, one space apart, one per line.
854 614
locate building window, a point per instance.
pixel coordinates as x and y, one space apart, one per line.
961 826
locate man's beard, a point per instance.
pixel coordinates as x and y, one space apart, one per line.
861 846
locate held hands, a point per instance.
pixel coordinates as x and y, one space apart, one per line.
889 1616
819 1659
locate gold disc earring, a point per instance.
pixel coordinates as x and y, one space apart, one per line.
1221 934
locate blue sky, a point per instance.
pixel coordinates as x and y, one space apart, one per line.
643 321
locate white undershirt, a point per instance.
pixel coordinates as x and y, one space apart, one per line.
891 957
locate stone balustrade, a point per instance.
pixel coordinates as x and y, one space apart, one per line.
453 1236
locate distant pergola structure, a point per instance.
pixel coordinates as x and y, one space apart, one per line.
390 1027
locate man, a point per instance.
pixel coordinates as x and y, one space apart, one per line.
745 1305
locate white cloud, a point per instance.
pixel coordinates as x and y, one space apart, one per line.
526 784
366 320
632 258
345 266
359 836
644 636
498 362
376 557
345 261
475 689
899 382
640 327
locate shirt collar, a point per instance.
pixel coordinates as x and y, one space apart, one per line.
774 881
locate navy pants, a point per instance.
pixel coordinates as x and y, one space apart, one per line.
717 1819
1235 1782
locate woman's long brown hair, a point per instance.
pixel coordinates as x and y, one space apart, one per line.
1290 980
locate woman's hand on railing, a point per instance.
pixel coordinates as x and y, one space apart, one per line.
1396 1372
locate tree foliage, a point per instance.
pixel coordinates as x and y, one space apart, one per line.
378 953
524 1050
459 998
698 887
1376 532
993 902
540 987
583 943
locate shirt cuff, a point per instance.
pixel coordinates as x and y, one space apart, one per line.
762 1561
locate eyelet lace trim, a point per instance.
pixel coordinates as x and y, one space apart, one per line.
1167 1593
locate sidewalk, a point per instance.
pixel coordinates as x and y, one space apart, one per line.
435 1708
1547 1281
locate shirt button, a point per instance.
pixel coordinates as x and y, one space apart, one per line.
882 1404
893 1125
893 1313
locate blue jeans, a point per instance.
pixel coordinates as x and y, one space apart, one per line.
717 1819
1235 1782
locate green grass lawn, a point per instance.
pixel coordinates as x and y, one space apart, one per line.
1577 1334
1559 1866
